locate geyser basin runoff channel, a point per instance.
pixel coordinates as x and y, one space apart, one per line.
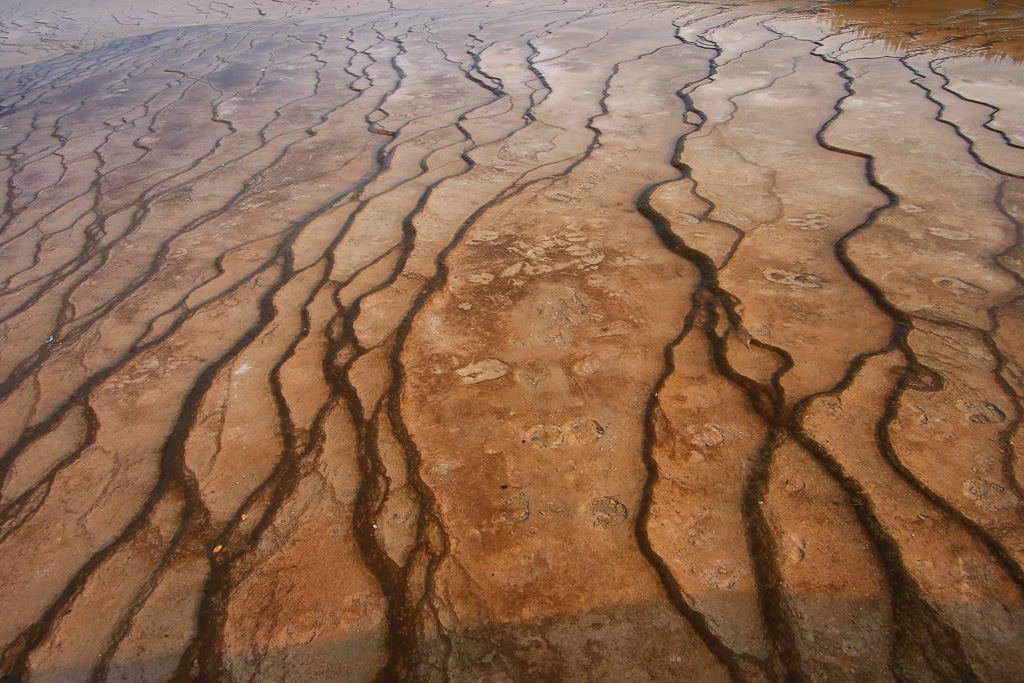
511 341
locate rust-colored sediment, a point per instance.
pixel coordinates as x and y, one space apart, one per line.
507 341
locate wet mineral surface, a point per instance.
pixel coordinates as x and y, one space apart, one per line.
612 340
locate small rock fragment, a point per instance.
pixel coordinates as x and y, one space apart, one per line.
545 436
606 512
583 432
512 270
708 435
787 277
483 371
515 510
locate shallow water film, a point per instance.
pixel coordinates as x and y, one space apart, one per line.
521 340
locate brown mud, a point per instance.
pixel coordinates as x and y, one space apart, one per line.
507 341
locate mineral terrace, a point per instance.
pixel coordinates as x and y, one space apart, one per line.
511 340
